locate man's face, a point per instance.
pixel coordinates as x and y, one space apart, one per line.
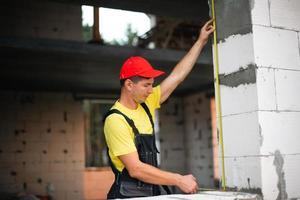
142 89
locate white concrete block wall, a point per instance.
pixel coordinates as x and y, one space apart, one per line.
280 147
276 48
241 127
186 137
243 172
266 89
42 142
283 136
234 58
198 138
238 100
41 19
233 55
277 55
290 168
172 135
272 100
299 42
287 87
260 13
285 14
242 140
280 180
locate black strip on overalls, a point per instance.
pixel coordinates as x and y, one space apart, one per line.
165 187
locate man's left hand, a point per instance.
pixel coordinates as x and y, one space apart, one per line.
206 30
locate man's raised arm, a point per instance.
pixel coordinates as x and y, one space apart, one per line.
185 65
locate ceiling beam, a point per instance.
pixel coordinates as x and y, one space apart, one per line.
55 65
100 52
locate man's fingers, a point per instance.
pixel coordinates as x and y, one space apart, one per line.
194 178
209 22
210 27
210 30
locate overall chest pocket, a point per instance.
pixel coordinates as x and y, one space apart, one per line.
147 157
146 149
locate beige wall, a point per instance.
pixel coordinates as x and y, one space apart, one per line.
42 142
40 19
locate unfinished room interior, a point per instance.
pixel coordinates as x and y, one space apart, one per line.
237 135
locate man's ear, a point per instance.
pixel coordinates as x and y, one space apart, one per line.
128 84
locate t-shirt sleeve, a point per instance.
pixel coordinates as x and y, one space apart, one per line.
117 135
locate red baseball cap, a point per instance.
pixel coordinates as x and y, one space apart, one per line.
138 66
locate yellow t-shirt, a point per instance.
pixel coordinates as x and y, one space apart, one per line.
118 133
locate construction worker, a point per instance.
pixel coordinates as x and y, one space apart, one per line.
129 129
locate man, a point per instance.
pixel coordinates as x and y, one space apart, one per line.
129 129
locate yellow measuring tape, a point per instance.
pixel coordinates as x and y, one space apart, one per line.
218 101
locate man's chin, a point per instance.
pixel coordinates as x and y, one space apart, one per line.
141 101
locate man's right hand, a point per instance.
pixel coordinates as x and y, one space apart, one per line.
188 184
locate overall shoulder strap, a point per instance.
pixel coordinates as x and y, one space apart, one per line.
128 120
149 114
152 123
165 187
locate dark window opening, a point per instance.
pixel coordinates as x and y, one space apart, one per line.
96 153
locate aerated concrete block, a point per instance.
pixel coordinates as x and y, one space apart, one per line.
280 175
42 19
206 195
276 48
287 87
11 188
240 99
266 91
260 12
58 166
291 170
28 157
28 113
279 131
198 138
285 14
60 194
235 53
37 151
243 172
299 42
172 135
52 177
241 134
8 157
269 178
36 146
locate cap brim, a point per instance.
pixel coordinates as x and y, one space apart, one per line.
152 73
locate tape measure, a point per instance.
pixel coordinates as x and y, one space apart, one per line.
217 93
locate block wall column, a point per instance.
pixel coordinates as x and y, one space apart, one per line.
258 43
